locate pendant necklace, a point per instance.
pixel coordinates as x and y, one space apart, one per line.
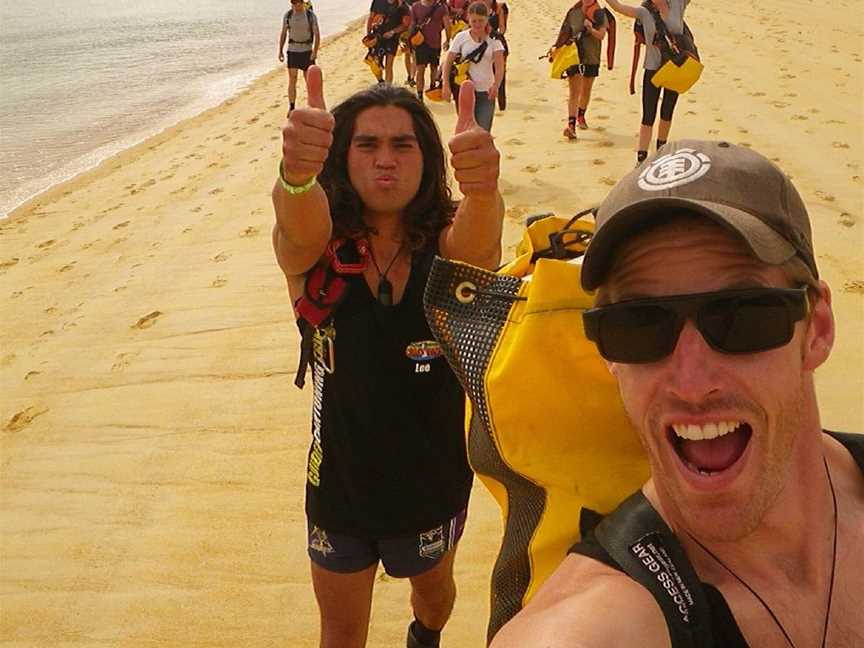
831 582
385 288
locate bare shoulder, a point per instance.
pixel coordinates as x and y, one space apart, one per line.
586 604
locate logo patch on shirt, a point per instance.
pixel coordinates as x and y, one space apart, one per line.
673 170
424 351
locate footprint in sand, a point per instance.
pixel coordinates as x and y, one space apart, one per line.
121 225
240 143
846 219
840 145
249 231
67 267
800 117
825 196
7 360
531 169
122 361
46 244
186 230
24 418
219 258
253 120
598 162
218 282
506 157
147 321
606 180
514 141
854 286
215 191
605 144
8 264
31 374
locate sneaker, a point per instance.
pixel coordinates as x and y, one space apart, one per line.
412 641
410 82
580 120
569 132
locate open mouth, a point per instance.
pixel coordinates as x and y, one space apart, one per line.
712 448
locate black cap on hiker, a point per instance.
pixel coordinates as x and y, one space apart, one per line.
732 185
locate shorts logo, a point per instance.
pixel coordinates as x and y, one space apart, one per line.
318 541
432 544
673 170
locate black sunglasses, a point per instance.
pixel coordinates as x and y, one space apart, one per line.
731 321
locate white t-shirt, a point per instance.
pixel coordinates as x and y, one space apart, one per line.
482 73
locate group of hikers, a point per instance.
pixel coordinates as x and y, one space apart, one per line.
709 313
471 33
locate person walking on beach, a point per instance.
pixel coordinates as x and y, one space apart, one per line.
362 207
671 13
388 19
484 56
586 24
408 50
711 316
429 17
300 27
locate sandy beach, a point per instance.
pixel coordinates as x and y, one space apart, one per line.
152 443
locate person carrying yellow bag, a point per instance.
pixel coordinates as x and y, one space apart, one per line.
585 26
546 433
660 20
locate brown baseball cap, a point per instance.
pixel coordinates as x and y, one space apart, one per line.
732 185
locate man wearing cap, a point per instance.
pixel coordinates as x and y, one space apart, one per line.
711 316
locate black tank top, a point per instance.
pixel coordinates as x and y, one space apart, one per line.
388 449
724 630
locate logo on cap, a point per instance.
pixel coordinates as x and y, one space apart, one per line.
674 170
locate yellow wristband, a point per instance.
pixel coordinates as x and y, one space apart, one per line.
295 189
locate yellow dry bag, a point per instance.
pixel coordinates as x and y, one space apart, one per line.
456 26
374 65
679 77
563 59
547 433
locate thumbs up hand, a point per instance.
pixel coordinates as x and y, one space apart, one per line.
474 159
308 134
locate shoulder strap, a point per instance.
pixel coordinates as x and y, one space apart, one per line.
854 443
638 539
477 54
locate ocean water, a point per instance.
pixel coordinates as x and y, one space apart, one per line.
81 80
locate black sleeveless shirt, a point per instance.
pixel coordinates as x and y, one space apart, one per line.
388 442
724 630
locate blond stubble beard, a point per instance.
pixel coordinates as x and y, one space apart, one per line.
719 520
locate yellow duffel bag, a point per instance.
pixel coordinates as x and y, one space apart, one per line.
679 76
563 59
546 432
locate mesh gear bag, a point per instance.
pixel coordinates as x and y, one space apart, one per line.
546 432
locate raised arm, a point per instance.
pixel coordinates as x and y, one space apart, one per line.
303 225
623 9
475 234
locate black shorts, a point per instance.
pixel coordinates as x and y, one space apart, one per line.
402 557
584 70
425 55
389 46
298 60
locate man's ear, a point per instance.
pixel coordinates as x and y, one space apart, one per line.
819 337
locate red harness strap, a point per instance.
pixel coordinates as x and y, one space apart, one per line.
324 289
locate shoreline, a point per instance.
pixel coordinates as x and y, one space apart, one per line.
146 138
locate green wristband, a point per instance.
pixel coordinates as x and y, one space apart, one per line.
295 189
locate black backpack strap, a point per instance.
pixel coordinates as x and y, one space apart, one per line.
854 443
638 539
